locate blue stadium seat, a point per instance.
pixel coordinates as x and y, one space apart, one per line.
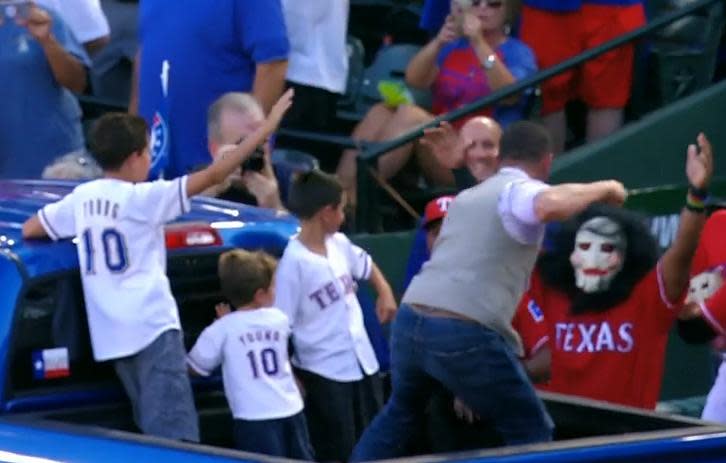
356 68
286 163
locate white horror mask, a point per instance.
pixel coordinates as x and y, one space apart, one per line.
703 285
598 255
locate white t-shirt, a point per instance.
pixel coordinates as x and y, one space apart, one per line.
122 254
252 348
319 295
85 18
317 32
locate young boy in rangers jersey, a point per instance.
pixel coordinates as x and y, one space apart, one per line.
119 223
316 288
251 344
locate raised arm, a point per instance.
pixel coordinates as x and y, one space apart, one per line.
67 70
497 72
422 70
230 159
676 262
560 202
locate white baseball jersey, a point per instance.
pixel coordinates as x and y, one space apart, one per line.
119 226
318 293
251 346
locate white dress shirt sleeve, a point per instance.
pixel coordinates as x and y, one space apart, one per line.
516 210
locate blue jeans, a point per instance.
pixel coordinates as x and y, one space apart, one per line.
471 361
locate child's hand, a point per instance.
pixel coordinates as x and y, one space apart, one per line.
222 309
386 307
278 111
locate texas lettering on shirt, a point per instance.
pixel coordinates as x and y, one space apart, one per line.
594 337
329 293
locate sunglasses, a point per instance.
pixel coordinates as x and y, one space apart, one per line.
489 3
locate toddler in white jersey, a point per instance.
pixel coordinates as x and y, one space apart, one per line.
119 223
316 288
251 344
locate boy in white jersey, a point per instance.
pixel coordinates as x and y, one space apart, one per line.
119 223
251 344
316 288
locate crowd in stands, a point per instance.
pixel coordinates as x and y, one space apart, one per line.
211 86
476 48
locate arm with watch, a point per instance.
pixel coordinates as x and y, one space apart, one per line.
496 71
676 262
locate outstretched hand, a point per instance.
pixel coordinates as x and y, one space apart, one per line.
278 111
445 144
699 164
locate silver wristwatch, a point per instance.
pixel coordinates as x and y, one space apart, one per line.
490 61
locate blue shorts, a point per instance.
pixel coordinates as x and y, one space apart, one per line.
283 437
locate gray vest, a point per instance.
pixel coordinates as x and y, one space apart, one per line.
476 268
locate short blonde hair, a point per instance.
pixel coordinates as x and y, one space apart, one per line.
242 273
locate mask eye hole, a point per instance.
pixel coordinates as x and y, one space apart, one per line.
704 285
583 246
607 247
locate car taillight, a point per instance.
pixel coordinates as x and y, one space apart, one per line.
191 235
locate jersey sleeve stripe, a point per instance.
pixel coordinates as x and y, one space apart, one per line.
195 366
47 226
712 320
367 266
184 203
661 287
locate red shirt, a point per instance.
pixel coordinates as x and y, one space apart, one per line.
617 355
711 253
529 322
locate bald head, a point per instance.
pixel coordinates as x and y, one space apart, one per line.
481 136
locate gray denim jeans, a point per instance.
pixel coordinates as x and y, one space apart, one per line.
157 383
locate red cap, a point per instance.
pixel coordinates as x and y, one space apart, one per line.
436 209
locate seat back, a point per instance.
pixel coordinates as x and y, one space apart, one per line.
356 68
288 162
390 64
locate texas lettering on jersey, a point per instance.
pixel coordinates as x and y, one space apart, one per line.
594 337
329 293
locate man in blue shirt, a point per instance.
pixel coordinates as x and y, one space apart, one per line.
41 63
192 52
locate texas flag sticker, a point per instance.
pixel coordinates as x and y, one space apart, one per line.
51 363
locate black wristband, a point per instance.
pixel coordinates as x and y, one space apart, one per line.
696 209
700 193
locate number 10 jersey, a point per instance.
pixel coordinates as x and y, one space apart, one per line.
119 227
252 347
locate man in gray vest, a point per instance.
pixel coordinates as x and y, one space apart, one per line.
454 323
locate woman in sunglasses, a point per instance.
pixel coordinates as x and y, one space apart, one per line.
471 57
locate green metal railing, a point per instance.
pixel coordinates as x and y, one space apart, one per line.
368 209
368 213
